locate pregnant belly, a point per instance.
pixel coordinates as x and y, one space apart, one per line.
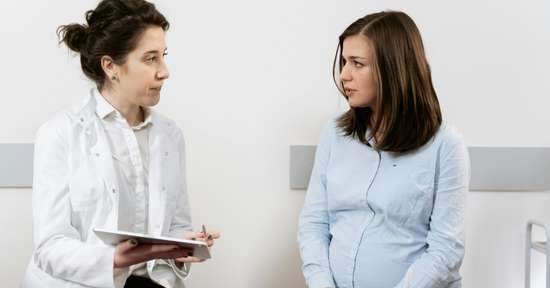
376 266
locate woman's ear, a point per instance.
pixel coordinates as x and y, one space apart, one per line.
109 68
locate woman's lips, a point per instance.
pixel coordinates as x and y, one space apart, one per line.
349 92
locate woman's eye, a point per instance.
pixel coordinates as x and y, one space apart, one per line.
152 59
358 64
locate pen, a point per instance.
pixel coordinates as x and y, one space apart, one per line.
209 237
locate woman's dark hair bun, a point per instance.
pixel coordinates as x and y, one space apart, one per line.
112 29
73 35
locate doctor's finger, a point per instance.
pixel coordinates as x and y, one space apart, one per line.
123 247
174 254
210 243
210 234
189 259
161 248
214 234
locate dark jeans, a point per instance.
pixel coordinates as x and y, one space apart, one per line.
140 282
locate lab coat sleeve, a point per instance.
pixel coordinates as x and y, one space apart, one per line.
181 222
446 232
313 231
58 248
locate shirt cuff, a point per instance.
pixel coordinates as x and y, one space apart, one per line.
119 276
182 271
413 280
320 279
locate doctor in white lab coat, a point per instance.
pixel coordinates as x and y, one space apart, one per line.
112 163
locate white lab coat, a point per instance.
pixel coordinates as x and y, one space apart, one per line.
75 189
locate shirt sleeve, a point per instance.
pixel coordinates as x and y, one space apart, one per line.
58 249
313 231
445 238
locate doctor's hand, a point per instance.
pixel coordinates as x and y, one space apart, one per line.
199 236
128 253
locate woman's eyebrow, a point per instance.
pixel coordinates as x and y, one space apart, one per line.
154 51
357 57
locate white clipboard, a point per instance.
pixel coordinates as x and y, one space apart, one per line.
200 249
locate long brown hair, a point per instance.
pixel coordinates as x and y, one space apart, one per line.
408 113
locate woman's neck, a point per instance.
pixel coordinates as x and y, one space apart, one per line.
133 114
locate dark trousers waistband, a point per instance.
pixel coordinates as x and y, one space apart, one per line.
140 282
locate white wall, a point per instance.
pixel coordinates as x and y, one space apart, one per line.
248 79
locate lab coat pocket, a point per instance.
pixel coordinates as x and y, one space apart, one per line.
86 192
85 189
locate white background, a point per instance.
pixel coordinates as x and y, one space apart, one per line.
249 78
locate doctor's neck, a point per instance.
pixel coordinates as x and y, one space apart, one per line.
133 113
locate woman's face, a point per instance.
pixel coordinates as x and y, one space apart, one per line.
142 75
357 74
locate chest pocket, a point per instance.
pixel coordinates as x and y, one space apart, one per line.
86 187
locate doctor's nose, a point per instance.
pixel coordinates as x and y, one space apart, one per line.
163 73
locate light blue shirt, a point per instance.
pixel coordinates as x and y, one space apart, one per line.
375 219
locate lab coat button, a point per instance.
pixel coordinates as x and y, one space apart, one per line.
114 190
165 153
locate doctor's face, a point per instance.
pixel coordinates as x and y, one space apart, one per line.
357 74
142 75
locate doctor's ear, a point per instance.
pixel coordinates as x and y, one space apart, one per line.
110 68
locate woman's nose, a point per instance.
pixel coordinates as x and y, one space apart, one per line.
345 74
163 72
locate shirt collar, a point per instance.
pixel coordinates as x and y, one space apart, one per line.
104 109
370 140
148 119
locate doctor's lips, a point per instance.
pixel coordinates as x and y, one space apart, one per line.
157 88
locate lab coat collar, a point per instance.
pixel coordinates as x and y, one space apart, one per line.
104 109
